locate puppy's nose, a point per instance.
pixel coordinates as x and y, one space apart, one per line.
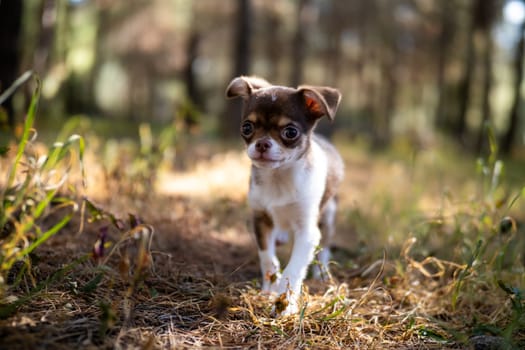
262 145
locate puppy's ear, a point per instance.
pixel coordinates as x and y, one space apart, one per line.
244 86
321 100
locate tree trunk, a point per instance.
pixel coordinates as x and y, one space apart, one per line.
487 85
298 45
464 92
10 25
273 45
242 58
484 17
387 85
388 90
445 37
46 37
189 72
507 140
242 47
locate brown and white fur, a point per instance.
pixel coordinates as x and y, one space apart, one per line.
294 178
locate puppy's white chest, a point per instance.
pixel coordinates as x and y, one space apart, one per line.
304 183
274 190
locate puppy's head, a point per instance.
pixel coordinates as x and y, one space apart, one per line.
278 121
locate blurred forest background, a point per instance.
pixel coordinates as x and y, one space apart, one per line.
408 69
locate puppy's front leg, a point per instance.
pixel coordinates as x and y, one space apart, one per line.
305 242
265 236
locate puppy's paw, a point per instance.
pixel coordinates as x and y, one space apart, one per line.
284 305
271 283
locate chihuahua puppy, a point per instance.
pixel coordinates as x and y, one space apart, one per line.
293 182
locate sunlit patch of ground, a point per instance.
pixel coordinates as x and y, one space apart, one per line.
224 175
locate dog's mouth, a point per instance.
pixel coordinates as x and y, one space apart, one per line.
265 160
269 157
264 157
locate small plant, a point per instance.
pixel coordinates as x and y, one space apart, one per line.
133 168
517 320
130 256
465 272
32 192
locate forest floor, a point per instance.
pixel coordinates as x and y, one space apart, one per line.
179 268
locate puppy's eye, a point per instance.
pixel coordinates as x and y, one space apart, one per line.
247 129
290 133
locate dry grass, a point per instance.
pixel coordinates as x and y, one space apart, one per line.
197 286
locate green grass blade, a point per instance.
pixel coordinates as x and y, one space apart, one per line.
428 333
28 125
21 80
279 331
493 144
42 205
9 309
327 306
81 147
515 198
92 285
46 235
463 274
61 149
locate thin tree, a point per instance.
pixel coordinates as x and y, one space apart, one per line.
242 59
465 85
509 135
299 44
446 34
486 18
192 51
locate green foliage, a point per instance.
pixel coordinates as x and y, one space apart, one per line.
108 317
32 192
133 250
517 320
470 242
465 272
430 334
497 254
20 81
135 166
9 309
92 285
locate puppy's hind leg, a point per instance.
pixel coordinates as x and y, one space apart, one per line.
320 269
265 236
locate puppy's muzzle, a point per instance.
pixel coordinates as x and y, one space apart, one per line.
262 145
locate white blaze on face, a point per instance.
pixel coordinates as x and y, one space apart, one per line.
273 154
